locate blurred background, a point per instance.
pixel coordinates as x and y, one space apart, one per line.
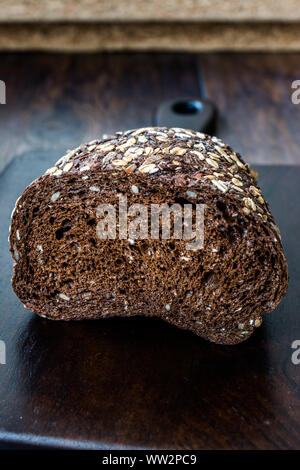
189 25
74 70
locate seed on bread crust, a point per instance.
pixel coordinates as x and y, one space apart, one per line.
68 167
249 203
54 231
220 185
212 163
236 182
51 170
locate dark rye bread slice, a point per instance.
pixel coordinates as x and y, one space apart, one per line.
63 271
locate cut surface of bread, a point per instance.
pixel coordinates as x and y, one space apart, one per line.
64 271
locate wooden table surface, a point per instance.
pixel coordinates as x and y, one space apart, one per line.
140 383
56 101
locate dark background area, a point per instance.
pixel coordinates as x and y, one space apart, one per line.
57 101
140 383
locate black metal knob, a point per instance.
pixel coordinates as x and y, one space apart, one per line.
189 113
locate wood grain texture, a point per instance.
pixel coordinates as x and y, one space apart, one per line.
140 383
253 95
57 101
143 10
150 36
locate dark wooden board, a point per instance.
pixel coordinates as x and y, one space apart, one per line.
140 383
253 94
56 101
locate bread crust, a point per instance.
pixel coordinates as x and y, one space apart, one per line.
63 271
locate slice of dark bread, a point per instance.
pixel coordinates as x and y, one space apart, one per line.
64 271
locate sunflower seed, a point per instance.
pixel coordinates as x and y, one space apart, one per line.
237 182
91 147
119 163
199 146
130 168
249 203
254 174
63 296
181 135
135 189
135 151
51 170
212 163
261 199
105 147
238 161
237 188
177 151
221 151
214 156
151 168
148 151
258 322
198 154
141 131
128 157
68 167
55 196
246 210
200 135
220 185
255 191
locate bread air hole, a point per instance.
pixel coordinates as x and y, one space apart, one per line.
181 200
91 222
68 282
93 241
52 295
222 207
207 277
66 226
